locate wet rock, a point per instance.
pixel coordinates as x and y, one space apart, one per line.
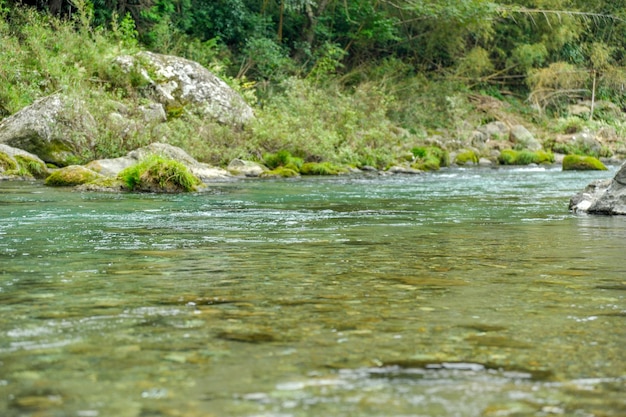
404 170
55 128
603 196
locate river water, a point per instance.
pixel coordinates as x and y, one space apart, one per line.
458 293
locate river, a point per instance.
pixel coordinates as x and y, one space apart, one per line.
458 293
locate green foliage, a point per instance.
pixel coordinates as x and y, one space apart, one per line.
282 158
159 174
582 163
325 123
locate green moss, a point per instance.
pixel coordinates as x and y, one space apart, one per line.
429 163
282 172
525 157
282 159
159 174
32 166
71 176
466 157
430 158
582 163
7 163
321 168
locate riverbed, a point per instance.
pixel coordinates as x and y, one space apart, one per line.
466 292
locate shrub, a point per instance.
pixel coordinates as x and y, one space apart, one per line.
582 163
158 174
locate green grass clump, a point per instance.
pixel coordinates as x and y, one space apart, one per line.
282 159
466 157
70 176
7 163
430 158
32 166
582 163
321 168
159 174
525 157
282 172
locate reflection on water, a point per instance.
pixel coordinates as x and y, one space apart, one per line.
460 293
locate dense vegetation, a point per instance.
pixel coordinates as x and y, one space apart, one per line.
424 72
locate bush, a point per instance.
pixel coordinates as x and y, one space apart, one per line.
158 174
582 163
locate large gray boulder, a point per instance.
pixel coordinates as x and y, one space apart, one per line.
54 128
522 137
176 82
603 196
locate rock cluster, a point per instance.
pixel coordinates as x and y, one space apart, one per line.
603 196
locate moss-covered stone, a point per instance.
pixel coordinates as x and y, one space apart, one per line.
429 158
7 163
582 163
33 167
157 174
70 176
282 172
321 168
466 157
525 157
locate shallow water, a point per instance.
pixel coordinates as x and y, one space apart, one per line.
448 294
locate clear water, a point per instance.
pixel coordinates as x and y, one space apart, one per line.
459 293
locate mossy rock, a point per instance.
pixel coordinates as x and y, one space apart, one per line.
525 157
157 174
429 158
466 157
31 166
430 163
71 176
321 168
582 163
282 172
7 163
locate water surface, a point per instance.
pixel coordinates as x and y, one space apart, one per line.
458 293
